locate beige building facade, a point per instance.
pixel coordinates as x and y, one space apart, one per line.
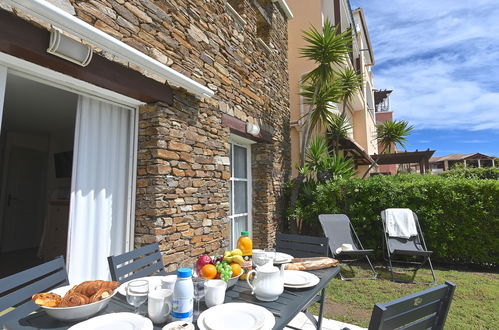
360 110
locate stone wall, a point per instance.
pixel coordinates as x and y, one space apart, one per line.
183 172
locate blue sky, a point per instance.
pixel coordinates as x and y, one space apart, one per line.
441 58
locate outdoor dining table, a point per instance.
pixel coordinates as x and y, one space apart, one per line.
289 304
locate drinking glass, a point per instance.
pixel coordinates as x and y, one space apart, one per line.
271 254
198 293
136 293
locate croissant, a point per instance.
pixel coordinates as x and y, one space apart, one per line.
90 288
47 299
72 299
101 294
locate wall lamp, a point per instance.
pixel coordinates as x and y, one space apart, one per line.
252 129
69 49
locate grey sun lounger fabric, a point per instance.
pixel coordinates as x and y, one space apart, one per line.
339 230
414 246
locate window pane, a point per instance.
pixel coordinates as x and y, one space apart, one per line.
240 224
240 197
240 162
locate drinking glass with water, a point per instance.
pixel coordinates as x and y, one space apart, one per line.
136 293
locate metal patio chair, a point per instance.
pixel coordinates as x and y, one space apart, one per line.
415 246
16 290
141 262
339 230
426 309
301 246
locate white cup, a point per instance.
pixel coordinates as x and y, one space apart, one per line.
214 292
159 305
168 282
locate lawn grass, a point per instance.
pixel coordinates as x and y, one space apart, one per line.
475 304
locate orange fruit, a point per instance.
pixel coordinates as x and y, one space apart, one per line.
209 271
236 269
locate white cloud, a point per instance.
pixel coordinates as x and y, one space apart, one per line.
440 58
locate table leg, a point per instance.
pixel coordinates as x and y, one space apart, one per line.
321 308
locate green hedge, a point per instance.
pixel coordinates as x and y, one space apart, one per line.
472 173
459 217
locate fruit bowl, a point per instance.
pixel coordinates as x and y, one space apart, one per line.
232 281
77 312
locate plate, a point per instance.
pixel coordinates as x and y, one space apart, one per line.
122 321
296 277
154 281
268 318
282 258
313 281
223 317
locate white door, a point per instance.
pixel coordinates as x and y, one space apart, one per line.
240 190
24 208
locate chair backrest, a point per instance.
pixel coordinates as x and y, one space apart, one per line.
415 243
141 262
301 246
16 290
426 309
338 229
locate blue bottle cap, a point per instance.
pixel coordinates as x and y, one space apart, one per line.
184 272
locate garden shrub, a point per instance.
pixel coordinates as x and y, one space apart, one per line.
459 217
472 173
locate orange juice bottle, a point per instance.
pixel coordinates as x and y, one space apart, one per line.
245 244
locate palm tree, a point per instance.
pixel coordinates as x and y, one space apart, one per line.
391 133
349 84
328 48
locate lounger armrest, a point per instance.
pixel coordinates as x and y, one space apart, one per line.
355 252
413 253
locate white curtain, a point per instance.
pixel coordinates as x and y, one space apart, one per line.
100 188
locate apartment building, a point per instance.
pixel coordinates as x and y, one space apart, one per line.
360 110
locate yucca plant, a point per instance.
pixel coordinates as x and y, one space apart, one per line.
320 165
349 83
339 128
391 133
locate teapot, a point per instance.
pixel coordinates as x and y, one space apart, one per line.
268 282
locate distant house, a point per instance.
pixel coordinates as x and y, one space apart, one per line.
444 163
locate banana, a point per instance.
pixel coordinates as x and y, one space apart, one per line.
236 252
227 254
238 259
229 259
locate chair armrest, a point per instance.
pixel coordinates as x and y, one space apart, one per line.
413 253
355 252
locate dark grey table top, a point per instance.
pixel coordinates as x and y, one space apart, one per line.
289 304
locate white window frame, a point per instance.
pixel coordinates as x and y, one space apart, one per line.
65 82
244 143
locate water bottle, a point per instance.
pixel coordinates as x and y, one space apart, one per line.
183 296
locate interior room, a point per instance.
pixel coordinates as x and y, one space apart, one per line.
36 146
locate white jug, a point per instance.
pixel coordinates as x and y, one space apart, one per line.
268 282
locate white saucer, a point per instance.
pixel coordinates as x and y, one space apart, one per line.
282 258
296 277
313 280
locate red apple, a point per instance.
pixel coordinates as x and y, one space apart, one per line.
202 260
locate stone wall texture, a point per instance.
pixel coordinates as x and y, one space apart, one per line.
183 169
